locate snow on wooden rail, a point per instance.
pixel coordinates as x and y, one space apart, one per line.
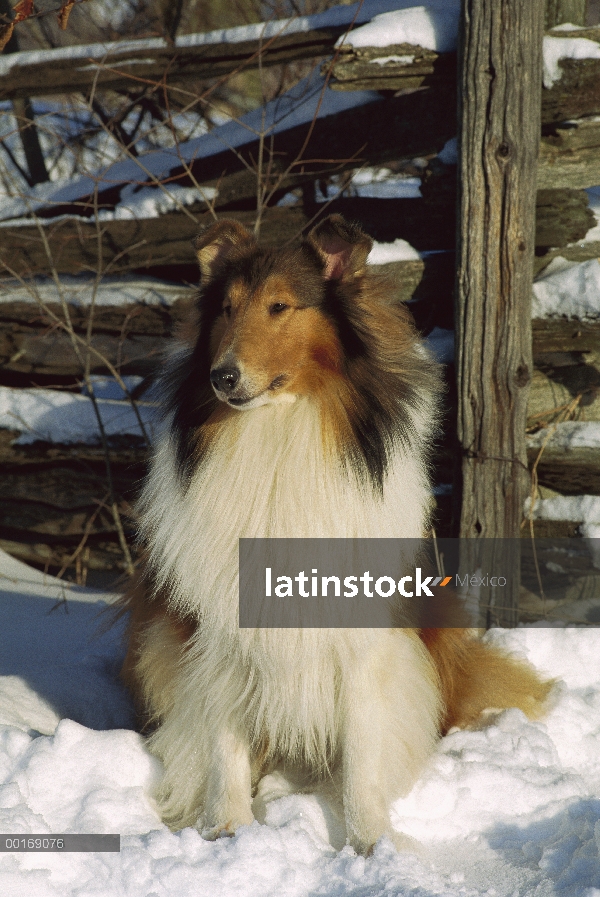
117 65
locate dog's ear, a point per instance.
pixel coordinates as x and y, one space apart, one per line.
342 246
214 244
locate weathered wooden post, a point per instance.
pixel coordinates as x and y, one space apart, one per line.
500 82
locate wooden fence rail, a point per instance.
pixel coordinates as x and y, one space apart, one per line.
122 65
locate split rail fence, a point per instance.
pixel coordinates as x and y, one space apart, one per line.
54 509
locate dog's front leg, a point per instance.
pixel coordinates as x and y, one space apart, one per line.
366 809
228 790
390 713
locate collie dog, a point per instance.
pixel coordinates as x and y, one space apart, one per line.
299 403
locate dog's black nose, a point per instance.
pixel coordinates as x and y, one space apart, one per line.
225 379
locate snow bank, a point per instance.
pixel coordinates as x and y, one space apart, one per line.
52 641
433 27
568 289
556 48
64 417
509 809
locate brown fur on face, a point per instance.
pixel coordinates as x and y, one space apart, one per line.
279 344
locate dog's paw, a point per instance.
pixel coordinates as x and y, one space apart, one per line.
212 832
401 842
222 830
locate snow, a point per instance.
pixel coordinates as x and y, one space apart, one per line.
441 344
568 435
594 203
576 508
449 152
152 201
47 647
111 291
508 809
398 251
400 60
433 27
592 531
567 26
385 185
568 289
557 48
310 97
110 13
377 183
108 388
64 417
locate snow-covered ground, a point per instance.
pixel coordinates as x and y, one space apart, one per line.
509 809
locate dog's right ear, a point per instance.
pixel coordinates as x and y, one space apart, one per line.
214 244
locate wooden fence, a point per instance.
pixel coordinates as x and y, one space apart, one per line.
412 114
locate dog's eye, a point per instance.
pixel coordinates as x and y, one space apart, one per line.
277 308
227 311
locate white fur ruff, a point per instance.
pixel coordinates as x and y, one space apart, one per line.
363 701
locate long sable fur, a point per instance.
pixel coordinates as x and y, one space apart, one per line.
385 372
227 700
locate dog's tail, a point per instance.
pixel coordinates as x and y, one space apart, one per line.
475 677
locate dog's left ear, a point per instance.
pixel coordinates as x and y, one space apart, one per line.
342 246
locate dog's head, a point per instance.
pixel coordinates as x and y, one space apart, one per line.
273 328
271 325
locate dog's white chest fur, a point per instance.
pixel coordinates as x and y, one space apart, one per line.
267 475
